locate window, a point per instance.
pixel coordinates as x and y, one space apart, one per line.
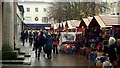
45 19
28 9
36 9
44 9
28 18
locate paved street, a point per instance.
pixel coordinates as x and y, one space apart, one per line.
93 26
57 59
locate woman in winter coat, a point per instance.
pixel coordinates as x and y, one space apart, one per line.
112 51
55 44
48 46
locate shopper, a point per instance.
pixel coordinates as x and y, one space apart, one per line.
112 51
23 37
55 44
48 46
105 47
26 35
41 42
35 33
30 38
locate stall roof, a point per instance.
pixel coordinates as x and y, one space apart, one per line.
86 20
100 21
60 24
90 18
75 23
63 23
55 26
110 19
69 24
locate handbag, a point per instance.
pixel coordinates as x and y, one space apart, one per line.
55 43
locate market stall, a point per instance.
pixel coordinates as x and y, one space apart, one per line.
67 41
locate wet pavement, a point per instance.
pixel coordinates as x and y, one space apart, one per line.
60 59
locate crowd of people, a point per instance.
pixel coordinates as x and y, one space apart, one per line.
103 52
41 39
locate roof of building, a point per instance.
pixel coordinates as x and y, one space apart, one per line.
90 18
100 21
86 20
69 24
110 19
75 23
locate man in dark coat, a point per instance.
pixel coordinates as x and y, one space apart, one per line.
23 37
40 43
26 35
30 38
35 34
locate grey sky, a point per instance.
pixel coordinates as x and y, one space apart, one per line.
75 0
62 0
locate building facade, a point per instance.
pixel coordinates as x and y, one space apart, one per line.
19 24
36 12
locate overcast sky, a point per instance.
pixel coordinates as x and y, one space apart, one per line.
74 0
64 0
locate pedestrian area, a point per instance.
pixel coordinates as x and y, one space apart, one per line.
60 59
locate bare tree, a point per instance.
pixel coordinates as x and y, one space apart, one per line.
76 10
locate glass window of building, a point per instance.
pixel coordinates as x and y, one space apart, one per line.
28 18
28 9
44 9
45 19
36 9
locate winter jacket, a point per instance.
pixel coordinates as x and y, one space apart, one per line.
112 53
22 35
41 41
49 42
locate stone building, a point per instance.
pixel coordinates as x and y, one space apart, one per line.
9 23
36 12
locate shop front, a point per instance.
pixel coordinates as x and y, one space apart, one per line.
37 26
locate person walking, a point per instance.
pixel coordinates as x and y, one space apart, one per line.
48 46
30 38
35 45
23 37
35 33
40 41
26 35
55 44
